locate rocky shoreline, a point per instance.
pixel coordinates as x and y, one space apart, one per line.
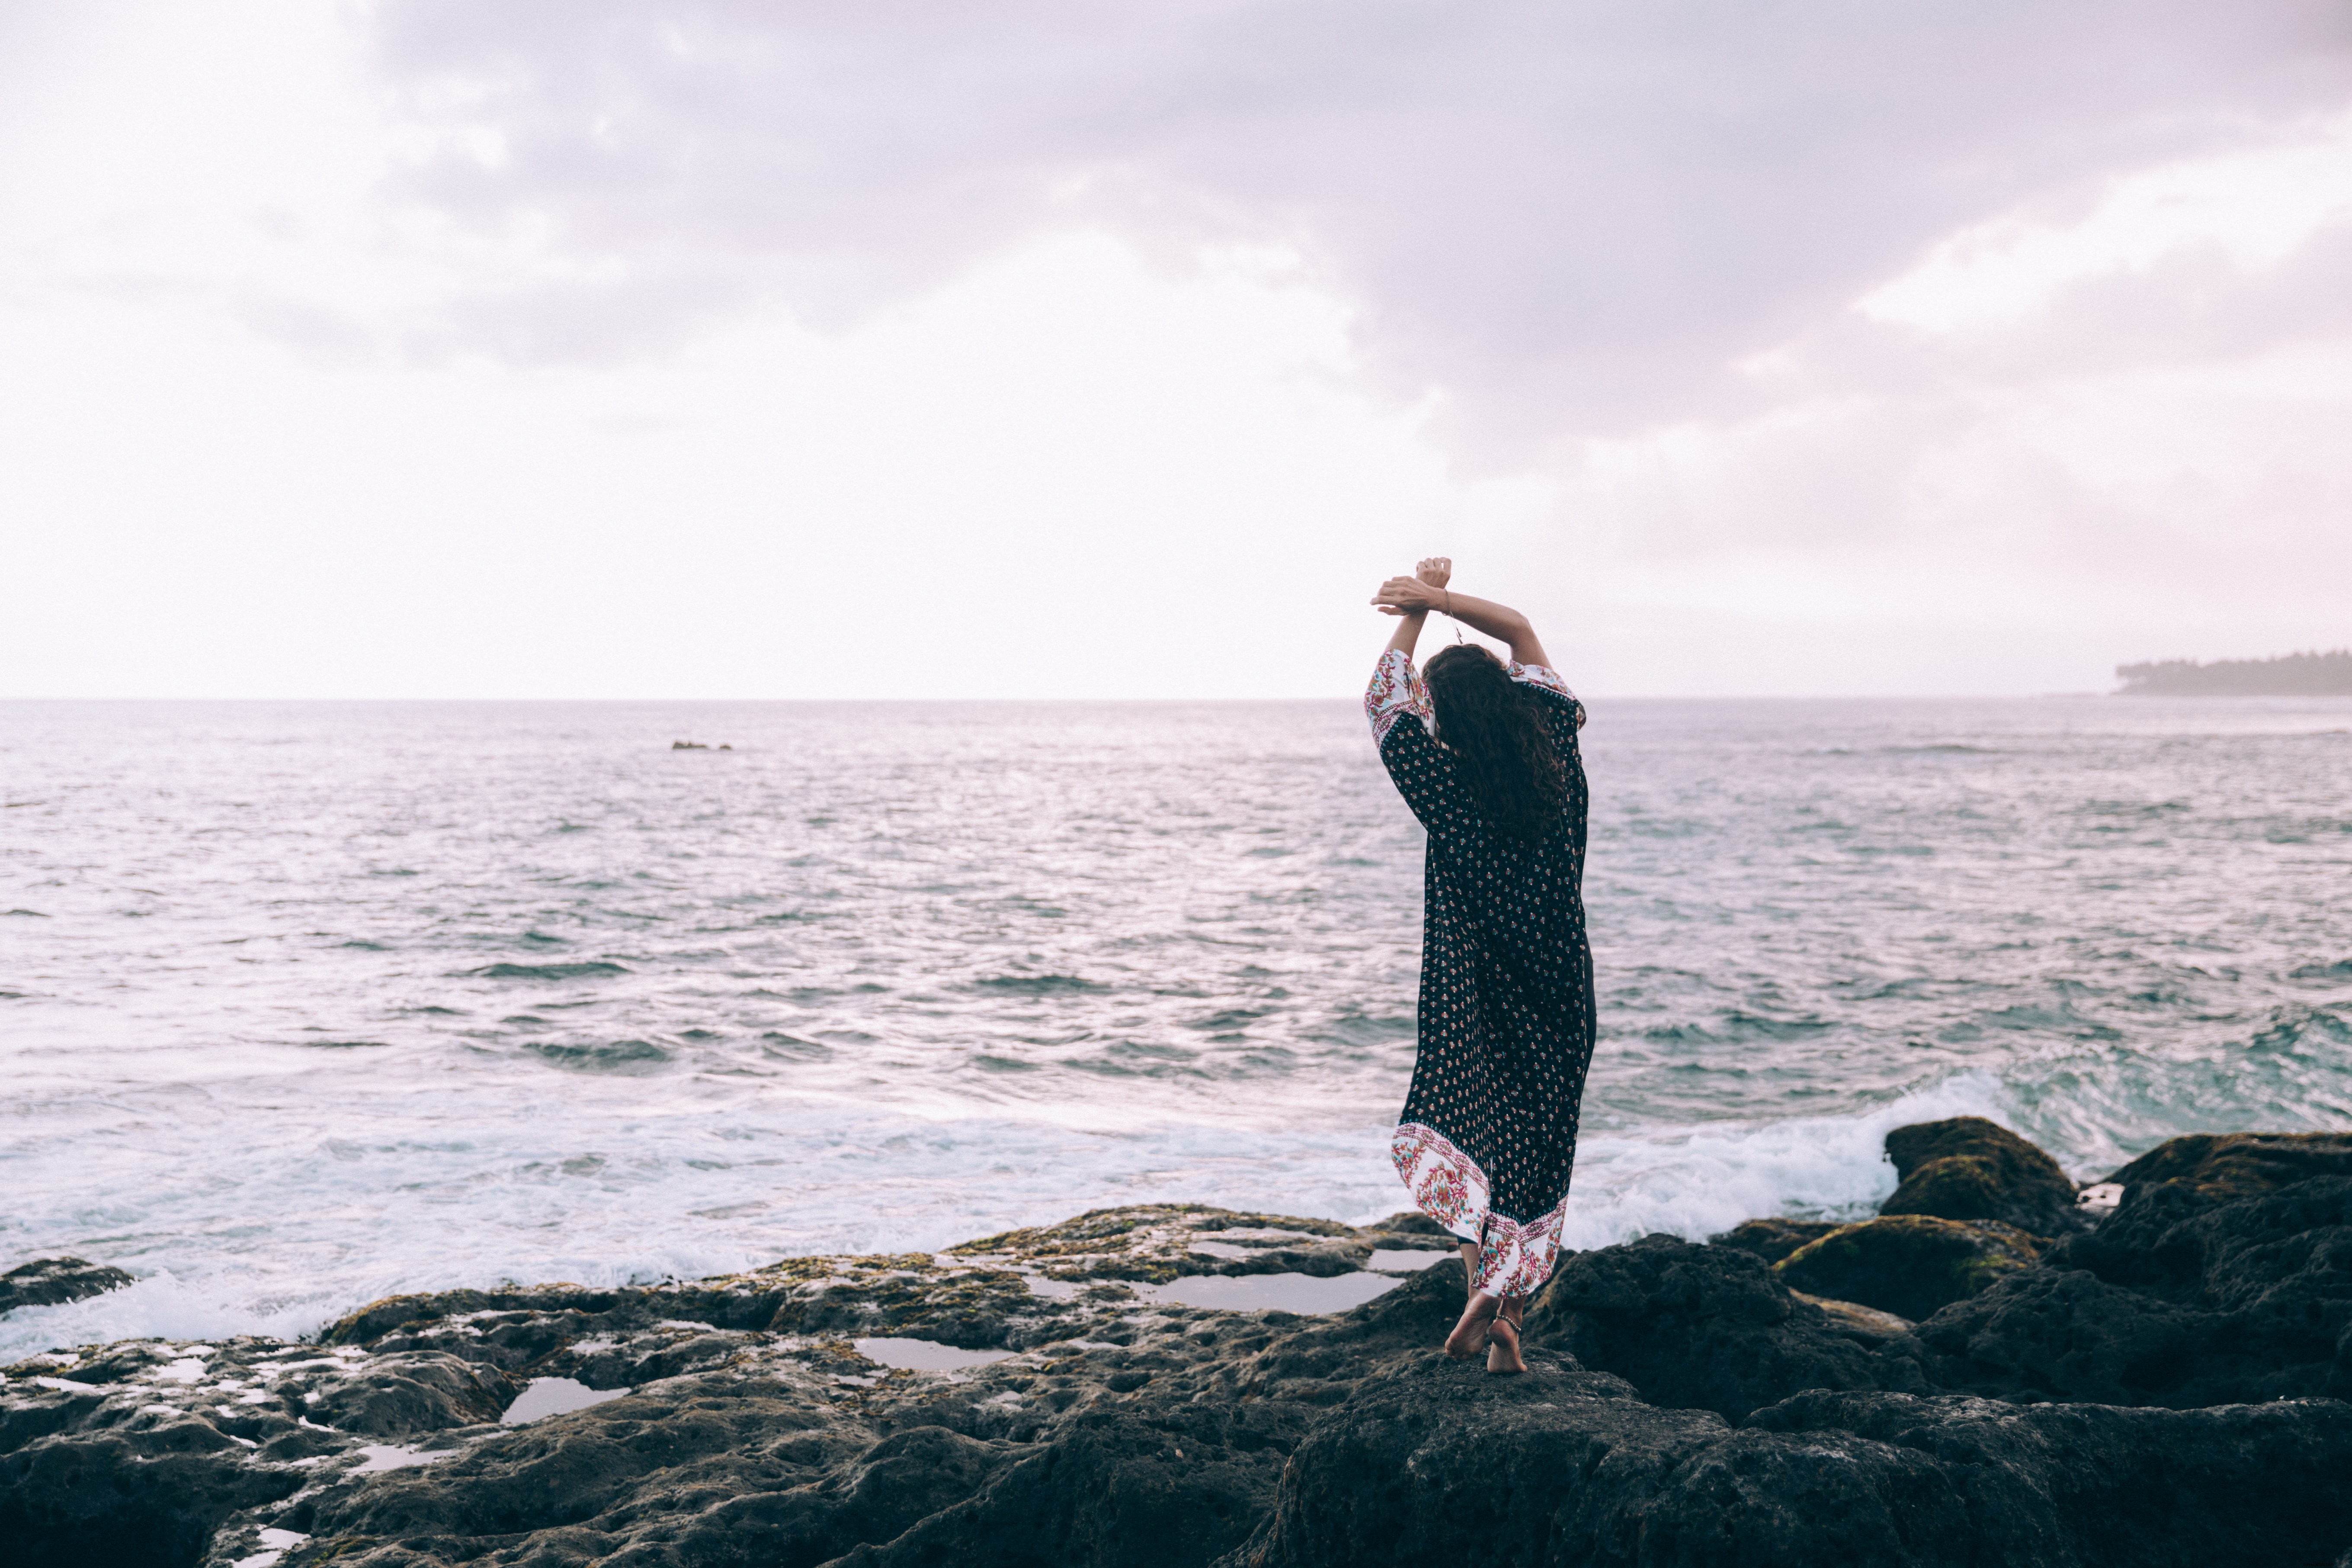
1997 1369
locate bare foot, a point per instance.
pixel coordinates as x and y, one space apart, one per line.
1503 1357
1469 1335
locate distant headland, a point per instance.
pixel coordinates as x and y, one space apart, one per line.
2289 675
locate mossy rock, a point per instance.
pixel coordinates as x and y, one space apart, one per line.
1969 1168
2240 1164
1908 1265
1773 1239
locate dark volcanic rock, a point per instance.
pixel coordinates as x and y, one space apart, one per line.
1435 1463
2089 1484
1773 1239
1163 1485
1909 1265
1709 1327
409 1392
1121 1428
1969 1168
149 1494
1438 1463
2176 1300
2240 1164
47 1281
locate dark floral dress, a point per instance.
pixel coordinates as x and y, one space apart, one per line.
1488 1136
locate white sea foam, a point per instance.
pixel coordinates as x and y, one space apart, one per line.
1697 1181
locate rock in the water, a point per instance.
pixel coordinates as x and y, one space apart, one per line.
2176 1300
1909 1265
1773 1239
1435 1463
1707 1327
1969 1168
2240 1164
49 1281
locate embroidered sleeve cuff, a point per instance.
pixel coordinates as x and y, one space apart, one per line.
1395 690
1536 675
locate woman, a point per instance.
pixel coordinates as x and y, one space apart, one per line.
1485 754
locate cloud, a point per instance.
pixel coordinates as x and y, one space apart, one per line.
1581 214
1759 347
2250 209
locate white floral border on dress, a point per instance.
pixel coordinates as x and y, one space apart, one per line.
1514 1260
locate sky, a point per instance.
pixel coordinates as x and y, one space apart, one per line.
745 349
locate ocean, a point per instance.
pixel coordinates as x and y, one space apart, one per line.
303 1005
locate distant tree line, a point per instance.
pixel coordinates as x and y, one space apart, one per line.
2288 674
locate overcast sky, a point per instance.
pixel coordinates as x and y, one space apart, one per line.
559 348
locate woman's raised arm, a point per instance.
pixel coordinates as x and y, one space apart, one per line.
1432 572
1414 597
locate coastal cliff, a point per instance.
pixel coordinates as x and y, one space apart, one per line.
2156 1376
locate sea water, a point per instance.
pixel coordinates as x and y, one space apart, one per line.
305 1004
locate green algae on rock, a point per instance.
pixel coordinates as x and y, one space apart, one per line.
1967 1168
1910 1265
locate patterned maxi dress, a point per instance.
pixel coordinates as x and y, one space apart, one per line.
1488 1133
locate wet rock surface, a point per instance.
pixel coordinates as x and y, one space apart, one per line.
2176 1300
2240 1164
50 1281
2164 1388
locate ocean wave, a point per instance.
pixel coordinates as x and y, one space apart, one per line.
545 971
1027 969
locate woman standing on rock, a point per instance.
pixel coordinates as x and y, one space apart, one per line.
1485 754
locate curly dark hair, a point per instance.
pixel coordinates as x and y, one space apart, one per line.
1498 731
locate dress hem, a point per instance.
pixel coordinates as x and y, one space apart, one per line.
1514 1259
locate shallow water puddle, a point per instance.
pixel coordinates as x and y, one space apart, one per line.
1388 1261
274 1544
554 1397
924 1355
396 1456
1272 1292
